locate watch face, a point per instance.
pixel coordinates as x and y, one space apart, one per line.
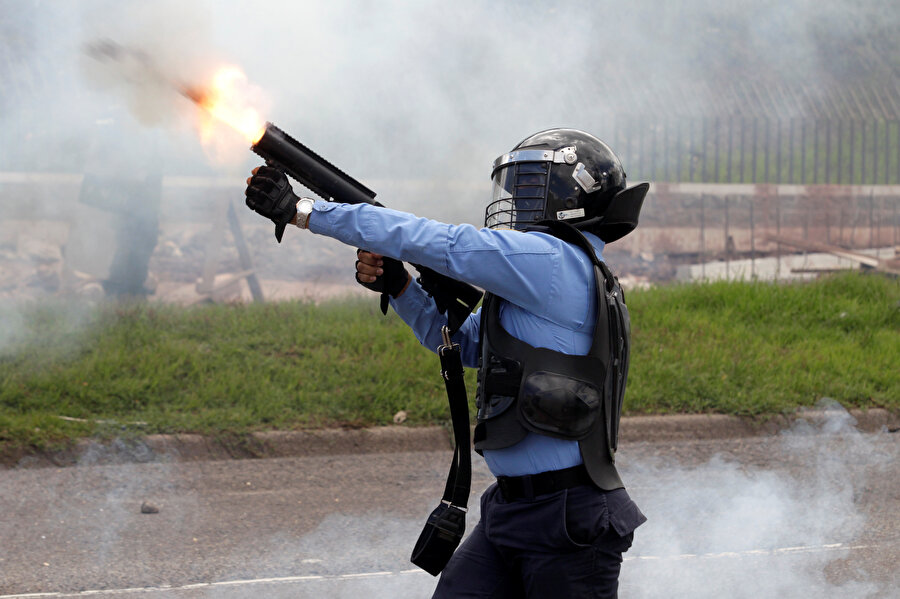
304 209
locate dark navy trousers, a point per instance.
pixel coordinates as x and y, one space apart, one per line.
566 544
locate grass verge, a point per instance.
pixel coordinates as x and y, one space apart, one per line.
750 348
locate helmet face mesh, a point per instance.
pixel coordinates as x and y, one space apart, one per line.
555 174
519 195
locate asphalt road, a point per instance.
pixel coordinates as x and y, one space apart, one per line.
804 514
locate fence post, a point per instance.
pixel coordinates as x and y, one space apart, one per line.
728 244
778 150
703 236
862 155
852 143
754 176
875 152
803 151
840 177
815 177
716 151
692 162
778 234
743 148
872 218
703 177
730 154
752 240
790 176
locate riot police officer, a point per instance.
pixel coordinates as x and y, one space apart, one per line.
551 344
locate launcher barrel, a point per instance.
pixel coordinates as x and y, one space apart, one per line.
283 152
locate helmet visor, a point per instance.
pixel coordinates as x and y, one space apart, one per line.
519 195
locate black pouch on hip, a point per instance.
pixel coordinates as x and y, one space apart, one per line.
440 538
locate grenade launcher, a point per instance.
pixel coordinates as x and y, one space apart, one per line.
281 151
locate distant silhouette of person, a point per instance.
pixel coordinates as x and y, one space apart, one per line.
123 176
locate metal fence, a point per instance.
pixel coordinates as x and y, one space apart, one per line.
755 132
743 230
760 150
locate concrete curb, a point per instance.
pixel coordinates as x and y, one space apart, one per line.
275 444
685 427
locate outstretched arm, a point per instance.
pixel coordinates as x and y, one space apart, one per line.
523 268
516 266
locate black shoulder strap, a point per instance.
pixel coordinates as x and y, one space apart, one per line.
566 232
605 280
456 491
446 525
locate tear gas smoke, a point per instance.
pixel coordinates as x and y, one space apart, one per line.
726 528
400 90
776 516
414 98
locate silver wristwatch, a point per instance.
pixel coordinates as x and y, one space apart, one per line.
304 209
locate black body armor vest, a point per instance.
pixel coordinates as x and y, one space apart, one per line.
523 388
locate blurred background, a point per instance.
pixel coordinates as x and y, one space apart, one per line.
770 132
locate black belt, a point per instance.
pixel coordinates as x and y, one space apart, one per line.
532 485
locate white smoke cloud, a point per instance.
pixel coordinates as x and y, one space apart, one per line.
406 89
428 92
740 524
414 98
730 528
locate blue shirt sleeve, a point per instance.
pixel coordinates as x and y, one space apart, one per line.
523 268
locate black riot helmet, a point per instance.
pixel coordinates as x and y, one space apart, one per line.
566 175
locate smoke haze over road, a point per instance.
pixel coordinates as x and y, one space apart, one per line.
416 99
812 512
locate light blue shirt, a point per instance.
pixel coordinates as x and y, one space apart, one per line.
547 283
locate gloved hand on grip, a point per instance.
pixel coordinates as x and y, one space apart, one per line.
391 281
269 193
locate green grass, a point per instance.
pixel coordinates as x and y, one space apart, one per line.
736 348
759 348
213 369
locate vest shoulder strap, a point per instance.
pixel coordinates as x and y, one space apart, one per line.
566 232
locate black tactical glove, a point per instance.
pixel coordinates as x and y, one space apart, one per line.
269 193
391 283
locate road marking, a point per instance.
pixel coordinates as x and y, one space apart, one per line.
224 583
748 552
385 574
